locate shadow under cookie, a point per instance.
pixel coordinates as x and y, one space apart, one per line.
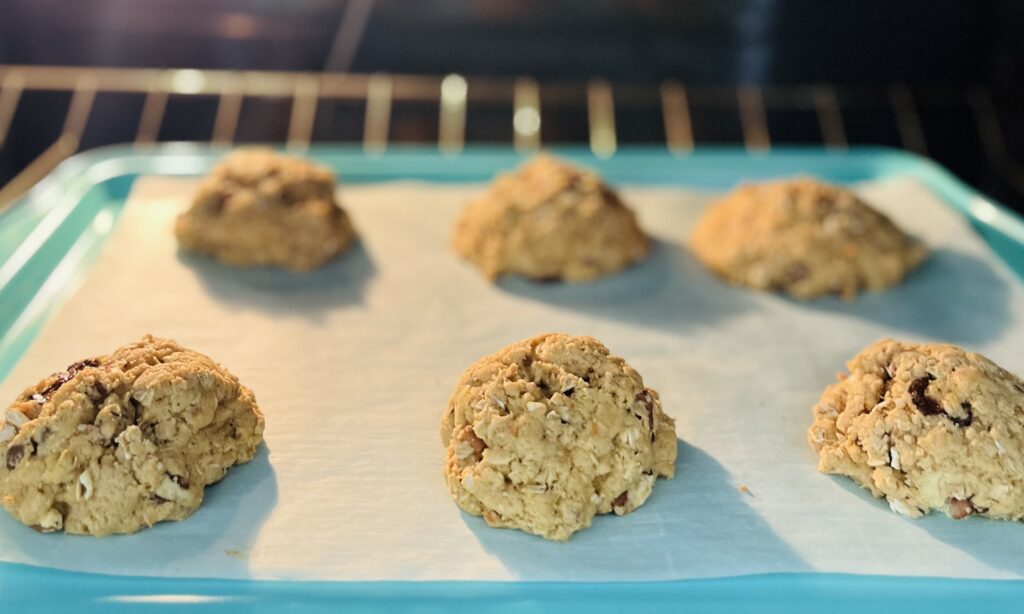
679 529
339 283
669 290
974 536
954 297
230 518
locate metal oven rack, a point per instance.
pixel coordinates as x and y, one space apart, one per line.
828 107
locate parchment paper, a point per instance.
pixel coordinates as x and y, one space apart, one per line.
353 364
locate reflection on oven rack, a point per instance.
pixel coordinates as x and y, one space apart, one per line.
527 100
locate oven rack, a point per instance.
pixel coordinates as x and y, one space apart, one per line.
525 102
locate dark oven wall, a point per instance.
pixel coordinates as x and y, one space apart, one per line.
943 79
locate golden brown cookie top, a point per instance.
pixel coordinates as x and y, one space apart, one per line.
263 178
929 427
118 442
261 208
803 237
549 220
550 431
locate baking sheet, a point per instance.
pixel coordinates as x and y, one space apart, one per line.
353 364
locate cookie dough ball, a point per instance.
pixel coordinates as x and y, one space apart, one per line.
259 208
120 442
928 427
549 432
805 238
550 221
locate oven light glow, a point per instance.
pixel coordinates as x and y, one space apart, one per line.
983 210
453 89
103 221
526 121
166 599
187 81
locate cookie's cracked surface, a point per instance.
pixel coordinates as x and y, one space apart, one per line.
120 442
805 238
928 427
550 431
549 221
259 208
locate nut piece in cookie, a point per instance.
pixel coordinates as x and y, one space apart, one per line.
928 427
549 221
259 208
805 238
550 431
120 442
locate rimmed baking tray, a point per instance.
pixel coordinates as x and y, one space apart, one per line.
49 239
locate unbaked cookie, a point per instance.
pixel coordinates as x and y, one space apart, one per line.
550 431
805 238
928 427
549 221
120 442
259 208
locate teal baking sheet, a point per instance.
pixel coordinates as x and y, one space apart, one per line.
49 239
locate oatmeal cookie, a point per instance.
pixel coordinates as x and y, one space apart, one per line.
259 208
550 221
550 431
120 442
928 427
805 238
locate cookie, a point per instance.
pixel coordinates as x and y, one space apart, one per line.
928 427
549 221
120 442
550 431
805 238
259 208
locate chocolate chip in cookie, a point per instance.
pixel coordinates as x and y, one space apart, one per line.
939 431
73 465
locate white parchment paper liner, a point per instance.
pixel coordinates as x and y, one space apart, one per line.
352 366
